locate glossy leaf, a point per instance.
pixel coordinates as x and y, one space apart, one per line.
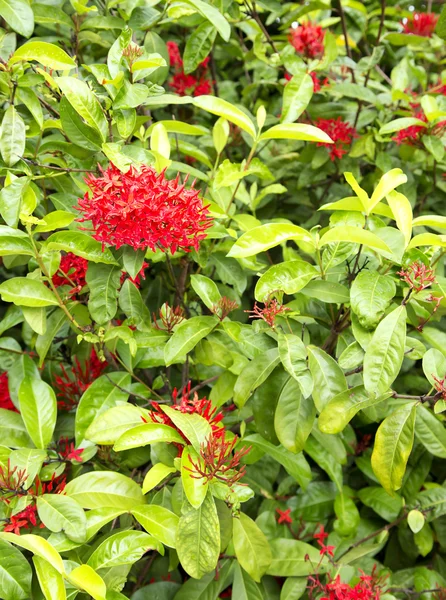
48 55
187 336
289 277
159 522
38 407
105 489
251 547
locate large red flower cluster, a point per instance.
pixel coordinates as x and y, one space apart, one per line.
420 24
72 271
340 132
143 209
412 135
5 398
188 84
308 40
74 381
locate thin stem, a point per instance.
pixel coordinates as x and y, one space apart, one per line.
344 31
138 379
54 168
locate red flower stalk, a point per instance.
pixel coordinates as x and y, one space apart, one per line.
169 317
340 132
5 398
284 516
417 276
188 84
224 307
308 40
269 312
11 482
420 24
73 382
217 461
440 385
144 210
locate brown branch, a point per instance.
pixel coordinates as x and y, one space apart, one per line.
344 31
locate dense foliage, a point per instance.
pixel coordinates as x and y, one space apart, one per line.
222 353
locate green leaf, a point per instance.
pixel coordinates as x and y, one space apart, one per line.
148 433
393 445
328 378
12 430
195 427
198 45
293 588
84 102
222 108
29 460
76 129
198 539
402 211
23 291
327 291
262 238
11 198
293 355
133 261
388 182
11 242
254 375
347 514
416 520
108 426
251 547
99 489
342 408
79 244
43 343
132 304
186 336
214 16
102 394
61 513
194 487
122 548
399 124
291 558
103 281
12 136
15 573
347 233
386 506
244 587
371 295
289 277
85 578
206 289
159 522
294 417
18 14
430 431
296 131
434 365
48 55
325 460
296 95
57 219
385 353
50 580
36 544
155 475
38 407
294 464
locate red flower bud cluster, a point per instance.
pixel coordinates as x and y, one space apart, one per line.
269 312
420 24
224 307
340 132
143 209
5 398
188 84
74 381
308 40
68 452
169 317
417 276
412 135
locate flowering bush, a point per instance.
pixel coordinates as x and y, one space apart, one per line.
222 345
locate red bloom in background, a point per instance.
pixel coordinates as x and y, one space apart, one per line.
284 516
340 132
144 209
72 271
411 135
73 382
188 84
25 519
5 398
421 24
308 40
318 84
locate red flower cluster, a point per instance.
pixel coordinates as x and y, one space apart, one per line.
188 85
318 84
68 452
72 271
269 312
169 317
224 307
25 519
368 588
308 40
412 136
417 276
340 132
143 209
420 24
5 398
73 382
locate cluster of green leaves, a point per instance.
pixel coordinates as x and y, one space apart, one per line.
340 397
